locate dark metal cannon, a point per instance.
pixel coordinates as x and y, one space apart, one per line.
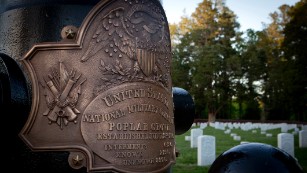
255 158
184 110
59 77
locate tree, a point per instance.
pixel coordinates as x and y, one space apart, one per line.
265 67
181 50
295 59
251 74
264 74
213 30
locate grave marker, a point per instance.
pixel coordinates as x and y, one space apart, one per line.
206 150
303 139
194 135
286 142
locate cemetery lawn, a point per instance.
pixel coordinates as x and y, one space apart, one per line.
186 162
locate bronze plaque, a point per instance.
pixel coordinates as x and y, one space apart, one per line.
104 93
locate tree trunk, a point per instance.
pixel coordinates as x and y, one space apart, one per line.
264 112
211 117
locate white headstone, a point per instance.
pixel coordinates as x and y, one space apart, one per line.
227 131
286 142
203 125
187 138
205 150
303 139
237 138
220 126
284 128
269 135
296 129
236 125
194 135
233 134
230 126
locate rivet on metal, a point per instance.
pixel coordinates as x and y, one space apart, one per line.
69 32
77 160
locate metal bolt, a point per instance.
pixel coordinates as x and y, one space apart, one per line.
77 160
70 34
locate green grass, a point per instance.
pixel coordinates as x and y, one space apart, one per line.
186 162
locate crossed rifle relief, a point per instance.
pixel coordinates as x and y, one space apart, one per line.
61 96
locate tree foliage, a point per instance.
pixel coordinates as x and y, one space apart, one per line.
256 75
295 55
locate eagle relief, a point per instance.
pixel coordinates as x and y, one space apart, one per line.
136 38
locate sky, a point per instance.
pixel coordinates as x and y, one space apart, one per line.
251 13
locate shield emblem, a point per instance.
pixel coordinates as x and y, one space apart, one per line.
146 60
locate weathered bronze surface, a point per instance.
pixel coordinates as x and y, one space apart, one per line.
104 93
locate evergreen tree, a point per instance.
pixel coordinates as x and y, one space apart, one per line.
264 74
213 32
295 55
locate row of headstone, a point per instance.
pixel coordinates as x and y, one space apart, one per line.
284 127
302 135
206 145
227 127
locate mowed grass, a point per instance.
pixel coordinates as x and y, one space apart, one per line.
186 162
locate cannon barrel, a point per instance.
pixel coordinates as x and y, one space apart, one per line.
255 157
